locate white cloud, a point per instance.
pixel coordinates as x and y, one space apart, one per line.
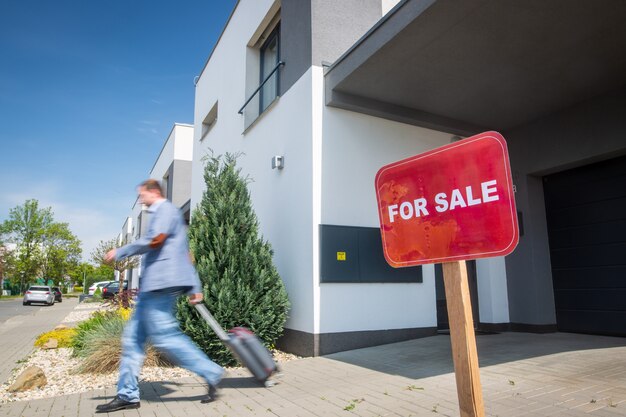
149 126
147 130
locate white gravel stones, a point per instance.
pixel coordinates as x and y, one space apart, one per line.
76 316
59 366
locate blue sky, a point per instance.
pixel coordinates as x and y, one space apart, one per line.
89 91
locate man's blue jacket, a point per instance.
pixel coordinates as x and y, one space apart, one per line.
167 265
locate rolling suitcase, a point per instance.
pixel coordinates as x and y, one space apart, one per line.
245 346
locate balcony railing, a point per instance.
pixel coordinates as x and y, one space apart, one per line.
280 64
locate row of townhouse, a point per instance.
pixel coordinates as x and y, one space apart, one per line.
319 94
173 168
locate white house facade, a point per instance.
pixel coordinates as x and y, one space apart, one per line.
318 97
322 200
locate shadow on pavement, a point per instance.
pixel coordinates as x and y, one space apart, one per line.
430 356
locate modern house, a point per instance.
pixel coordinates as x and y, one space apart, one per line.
319 94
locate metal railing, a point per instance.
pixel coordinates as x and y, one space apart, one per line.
280 64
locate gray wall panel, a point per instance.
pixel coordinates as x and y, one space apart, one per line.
337 25
181 182
588 132
364 259
316 31
295 42
308 344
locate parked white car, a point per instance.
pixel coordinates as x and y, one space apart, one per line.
97 285
38 294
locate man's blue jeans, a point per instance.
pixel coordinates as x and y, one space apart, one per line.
153 320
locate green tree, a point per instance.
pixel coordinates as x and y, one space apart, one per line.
98 254
6 262
42 249
79 273
9 276
60 252
26 227
85 274
240 282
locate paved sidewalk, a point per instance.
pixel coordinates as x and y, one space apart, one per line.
522 374
18 334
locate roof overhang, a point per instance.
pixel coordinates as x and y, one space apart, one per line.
475 65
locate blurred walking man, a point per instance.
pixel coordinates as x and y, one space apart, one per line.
167 272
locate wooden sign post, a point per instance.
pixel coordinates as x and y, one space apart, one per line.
449 205
463 339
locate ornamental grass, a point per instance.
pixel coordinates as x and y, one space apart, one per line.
98 343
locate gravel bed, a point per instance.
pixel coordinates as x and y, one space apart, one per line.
77 316
82 312
59 366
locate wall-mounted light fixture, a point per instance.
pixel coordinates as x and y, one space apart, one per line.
278 162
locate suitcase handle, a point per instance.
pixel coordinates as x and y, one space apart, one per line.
204 312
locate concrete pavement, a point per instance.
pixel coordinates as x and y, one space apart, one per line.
18 334
522 374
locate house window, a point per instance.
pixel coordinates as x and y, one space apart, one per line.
263 66
166 185
270 58
185 209
139 225
209 121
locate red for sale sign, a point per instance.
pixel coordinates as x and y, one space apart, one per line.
449 204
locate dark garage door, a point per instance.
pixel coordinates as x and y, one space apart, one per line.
586 213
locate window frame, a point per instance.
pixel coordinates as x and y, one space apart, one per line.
209 120
274 35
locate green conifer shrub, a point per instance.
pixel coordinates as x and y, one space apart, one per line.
240 282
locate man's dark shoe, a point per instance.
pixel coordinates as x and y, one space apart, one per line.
116 404
211 396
